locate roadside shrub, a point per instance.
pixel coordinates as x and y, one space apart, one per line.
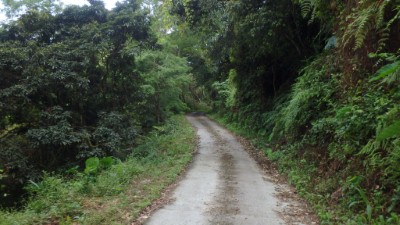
311 95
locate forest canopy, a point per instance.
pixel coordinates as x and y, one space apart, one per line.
315 84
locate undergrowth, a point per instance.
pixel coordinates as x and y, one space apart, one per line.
113 194
338 147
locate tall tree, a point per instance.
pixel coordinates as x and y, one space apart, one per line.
68 81
13 8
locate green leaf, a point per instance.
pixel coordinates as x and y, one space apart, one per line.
386 70
107 162
354 203
341 113
92 164
369 212
390 131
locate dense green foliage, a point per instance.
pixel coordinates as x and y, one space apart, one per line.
317 82
13 8
110 191
84 82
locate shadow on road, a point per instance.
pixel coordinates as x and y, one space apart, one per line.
195 114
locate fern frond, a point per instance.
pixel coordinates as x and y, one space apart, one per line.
363 25
384 34
380 16
394 18
306 7
387 70
373 20
309 8
313 15
370 18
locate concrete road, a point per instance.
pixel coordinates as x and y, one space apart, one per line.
224 185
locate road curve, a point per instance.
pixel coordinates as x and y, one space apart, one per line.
223 185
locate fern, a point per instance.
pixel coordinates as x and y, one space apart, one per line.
387 70
309 8
311 92
380 17
394 18
384 37
358 29
364 24
306 7
371 17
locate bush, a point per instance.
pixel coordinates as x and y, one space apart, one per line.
312 95
131 184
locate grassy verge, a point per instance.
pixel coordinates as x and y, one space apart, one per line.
116 195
